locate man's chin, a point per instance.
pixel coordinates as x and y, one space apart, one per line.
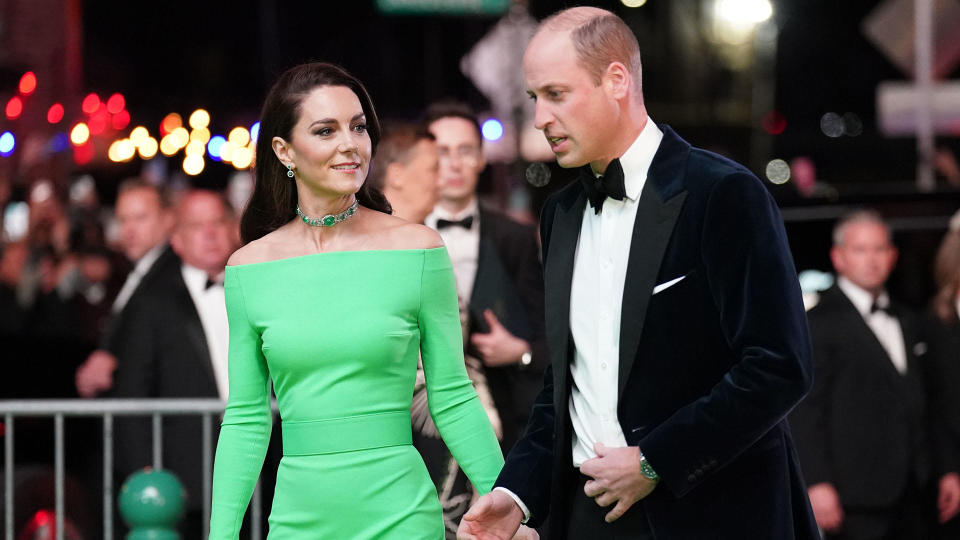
569 161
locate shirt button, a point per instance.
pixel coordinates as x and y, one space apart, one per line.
603 365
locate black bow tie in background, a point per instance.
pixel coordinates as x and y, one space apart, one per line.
875 307
211 283
466 223
608 185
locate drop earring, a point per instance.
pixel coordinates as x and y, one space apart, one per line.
290 170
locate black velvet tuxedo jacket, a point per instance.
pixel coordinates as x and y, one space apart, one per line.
863 426
162 352
708 367
509 281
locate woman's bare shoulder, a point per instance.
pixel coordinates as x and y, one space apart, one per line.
263 249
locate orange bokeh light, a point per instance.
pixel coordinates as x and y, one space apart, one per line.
28 83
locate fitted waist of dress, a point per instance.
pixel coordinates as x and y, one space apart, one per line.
346 434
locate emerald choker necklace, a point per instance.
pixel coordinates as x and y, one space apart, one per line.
329 220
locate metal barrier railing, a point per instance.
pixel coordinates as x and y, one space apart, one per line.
108 409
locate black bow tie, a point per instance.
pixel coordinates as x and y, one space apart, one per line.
875 307
211 283
466 223
608 185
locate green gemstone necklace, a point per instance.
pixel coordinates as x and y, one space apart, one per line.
329 220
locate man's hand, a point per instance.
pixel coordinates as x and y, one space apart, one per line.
498 347
95 375
948 497
495 516
616 479
526 533
826 506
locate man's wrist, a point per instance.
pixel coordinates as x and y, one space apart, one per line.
523 508
646 469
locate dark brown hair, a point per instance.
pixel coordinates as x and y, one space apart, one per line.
274 199
452 109
396 145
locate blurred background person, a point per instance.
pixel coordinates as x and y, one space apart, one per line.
862 432
144 221
405 170
171 342
496 261
943 367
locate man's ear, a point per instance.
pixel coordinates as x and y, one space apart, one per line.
283 151
617 80
395 176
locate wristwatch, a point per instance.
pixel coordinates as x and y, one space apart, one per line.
646 469
525 359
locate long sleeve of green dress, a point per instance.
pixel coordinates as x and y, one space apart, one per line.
340 334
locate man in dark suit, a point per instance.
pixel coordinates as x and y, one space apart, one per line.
676 329
862 432
172 343
144 222
496 263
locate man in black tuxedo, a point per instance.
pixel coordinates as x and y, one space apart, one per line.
144 221
172 343
676 329
496 263
862 432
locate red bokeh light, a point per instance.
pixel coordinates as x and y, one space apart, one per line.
120 120
774 123
83 154
55 113
116 103
14 108
90 103
99 122
28 83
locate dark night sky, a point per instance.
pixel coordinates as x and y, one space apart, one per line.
175 56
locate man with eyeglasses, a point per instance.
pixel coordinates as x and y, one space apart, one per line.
497 267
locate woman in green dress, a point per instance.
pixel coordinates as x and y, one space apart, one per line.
333 300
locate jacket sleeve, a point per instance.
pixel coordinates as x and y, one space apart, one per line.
454 405
245 432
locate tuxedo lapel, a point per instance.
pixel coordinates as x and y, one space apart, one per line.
657 211
558 278
651 233
862 332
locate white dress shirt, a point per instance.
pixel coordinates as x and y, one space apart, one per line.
212 308
884 326
596 298
463 245
135 276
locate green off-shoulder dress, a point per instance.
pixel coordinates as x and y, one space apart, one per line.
339 335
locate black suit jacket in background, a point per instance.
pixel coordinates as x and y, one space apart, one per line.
162 352
863 425
509 282
708 368
166 262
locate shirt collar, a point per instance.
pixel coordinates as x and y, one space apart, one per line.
861 298
472 209
195 278
637 159
143 265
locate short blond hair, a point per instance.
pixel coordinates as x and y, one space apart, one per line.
600 38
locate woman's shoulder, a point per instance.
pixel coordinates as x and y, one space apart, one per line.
398 233
263 249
